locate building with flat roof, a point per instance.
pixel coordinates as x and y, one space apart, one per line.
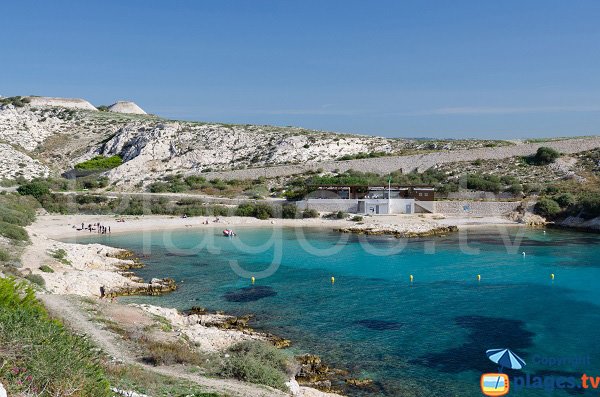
369 200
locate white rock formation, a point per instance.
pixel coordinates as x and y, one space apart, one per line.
14 164
70 103
126 107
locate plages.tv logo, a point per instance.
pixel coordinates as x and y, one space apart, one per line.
497 383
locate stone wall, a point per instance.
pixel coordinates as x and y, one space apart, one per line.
420 162
329 205
476 208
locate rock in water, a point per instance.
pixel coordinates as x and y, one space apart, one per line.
379 325
249 294
126 107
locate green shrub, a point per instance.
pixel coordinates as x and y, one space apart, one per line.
158 187
100 163
46 269
357 218
289 211
565 200
263 211
4 255
13 232
589 205
547 207
260 211
36 279
257 362
245 209
545 155
341 215
310 213
169 353
515 188
40 354
484 182
36 189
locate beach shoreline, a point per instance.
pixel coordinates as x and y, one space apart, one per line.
60 227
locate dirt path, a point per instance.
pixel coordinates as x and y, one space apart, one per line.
68 309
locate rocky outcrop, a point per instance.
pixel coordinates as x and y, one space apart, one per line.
69 103
126 107
155 287
575 222
14 164
400 232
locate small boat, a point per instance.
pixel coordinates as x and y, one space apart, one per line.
228 233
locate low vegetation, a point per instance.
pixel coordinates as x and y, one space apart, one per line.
16 101
197 184
133 377
364 155
46 269
257 362
4 255
169 353
544 156
100 163
39 356
16 212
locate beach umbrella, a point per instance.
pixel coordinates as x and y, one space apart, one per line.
505 358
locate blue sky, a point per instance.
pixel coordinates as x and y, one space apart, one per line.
486 69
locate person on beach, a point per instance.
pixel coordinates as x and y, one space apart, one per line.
102 292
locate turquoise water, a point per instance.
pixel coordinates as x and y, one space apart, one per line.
427 338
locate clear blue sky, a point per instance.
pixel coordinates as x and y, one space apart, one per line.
476 68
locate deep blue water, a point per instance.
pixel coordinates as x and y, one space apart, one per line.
426 338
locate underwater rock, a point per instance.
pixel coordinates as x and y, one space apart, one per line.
195 310
379 325
249 294
359 382
371 231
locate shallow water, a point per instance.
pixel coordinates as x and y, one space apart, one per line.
426 338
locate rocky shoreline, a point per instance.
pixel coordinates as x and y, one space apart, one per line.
399 232
94 269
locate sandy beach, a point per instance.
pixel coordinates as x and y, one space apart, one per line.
65 226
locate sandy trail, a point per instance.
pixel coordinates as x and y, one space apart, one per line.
68 310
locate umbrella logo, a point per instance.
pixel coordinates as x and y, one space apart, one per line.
498 384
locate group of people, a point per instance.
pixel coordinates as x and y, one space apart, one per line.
101 229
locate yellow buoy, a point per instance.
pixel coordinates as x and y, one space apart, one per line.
479 277
552 276
253 279
332 279
411 278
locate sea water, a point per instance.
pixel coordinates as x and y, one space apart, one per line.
427 337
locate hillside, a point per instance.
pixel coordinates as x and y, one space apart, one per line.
41 138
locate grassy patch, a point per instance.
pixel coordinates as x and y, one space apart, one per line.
61 256
13 232
169 353
257 362
100 163
133 377
364 155
4 255
39 356
36 279
46 269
